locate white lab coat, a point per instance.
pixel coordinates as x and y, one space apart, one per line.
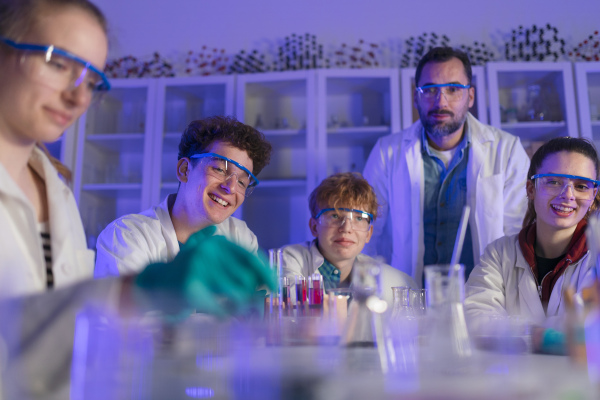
305 259
128 244
496 176
22 264
503 284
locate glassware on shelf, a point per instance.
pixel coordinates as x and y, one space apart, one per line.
594 112
258 123
536 109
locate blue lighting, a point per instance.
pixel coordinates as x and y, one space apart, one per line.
199 392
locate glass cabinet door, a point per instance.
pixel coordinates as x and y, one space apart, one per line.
112 163
587 76
532 100
281 106
356 107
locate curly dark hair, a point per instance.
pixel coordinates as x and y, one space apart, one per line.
581 146
443 54
201 133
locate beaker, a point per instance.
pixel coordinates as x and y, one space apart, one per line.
402 306
449 339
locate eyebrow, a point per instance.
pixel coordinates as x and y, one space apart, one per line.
454 82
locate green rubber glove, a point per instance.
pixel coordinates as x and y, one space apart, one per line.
210 274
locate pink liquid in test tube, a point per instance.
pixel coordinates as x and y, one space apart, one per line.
315 290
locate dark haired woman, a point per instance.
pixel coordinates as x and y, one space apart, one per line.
525 275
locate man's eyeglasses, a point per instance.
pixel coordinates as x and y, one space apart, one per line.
452 91
555 184
224 168
336 217
59 69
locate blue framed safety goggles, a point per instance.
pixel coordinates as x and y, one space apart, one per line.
595 183
344 209
253 180
423 89
103 85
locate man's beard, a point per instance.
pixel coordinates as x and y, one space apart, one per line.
442 129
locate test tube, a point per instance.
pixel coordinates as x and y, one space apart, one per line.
275 261
286 299
301 290
315 289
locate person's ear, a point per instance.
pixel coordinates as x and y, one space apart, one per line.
369 234
471 92
312 223
184 165
530 187
415 99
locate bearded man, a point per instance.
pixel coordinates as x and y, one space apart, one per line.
425 175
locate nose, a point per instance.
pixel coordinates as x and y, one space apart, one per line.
346 225
565 191
77 95
440 98
229 184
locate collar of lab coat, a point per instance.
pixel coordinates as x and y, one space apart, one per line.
318 259
481 139
57 193
44 168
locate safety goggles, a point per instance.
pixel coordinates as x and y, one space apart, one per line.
336 217
452 92
59 69
555 184
224 168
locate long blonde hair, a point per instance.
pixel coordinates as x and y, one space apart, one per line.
17 17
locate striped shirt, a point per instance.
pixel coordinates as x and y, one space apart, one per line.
44 229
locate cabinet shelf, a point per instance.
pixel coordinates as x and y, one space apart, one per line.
356 136
282 132
536 131
169 185
117 142
534 125
281 183
111 187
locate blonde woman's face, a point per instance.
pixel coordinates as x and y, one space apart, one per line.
32 111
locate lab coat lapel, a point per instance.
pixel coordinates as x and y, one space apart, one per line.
481 141
414 160
25 222
57 193
529 298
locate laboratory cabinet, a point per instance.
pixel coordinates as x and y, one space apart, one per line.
355 108
282 105
124 149
587 78
409 112
532 100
